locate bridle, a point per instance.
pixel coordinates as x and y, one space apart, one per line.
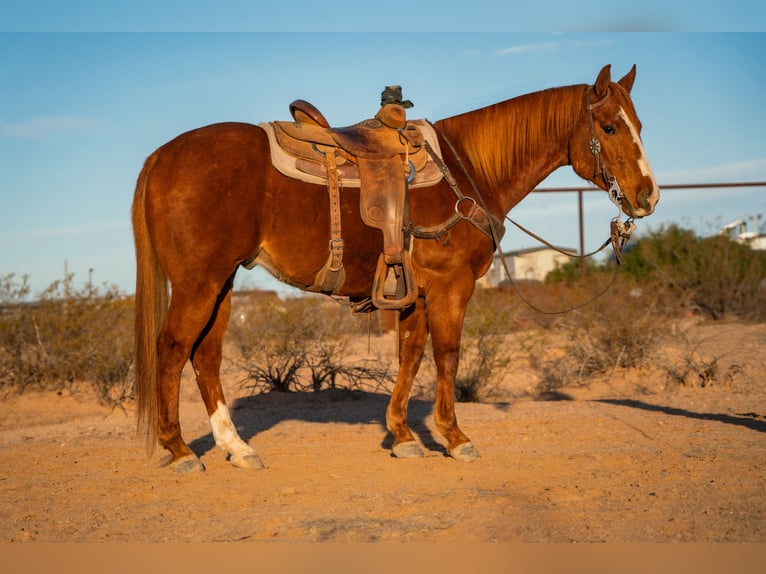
620 231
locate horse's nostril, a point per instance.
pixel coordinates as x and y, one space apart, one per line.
643 199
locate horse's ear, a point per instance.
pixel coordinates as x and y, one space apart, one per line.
627 81
602 82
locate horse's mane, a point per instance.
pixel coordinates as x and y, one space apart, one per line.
499 139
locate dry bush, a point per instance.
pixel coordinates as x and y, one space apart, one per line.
666 275
302 344
695 370
483 352
633 328
495 313
65 338
700 360
620 329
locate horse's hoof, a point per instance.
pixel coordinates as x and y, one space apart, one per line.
187 464
409 449
251 461
465 452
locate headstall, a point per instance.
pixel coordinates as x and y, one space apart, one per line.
620 231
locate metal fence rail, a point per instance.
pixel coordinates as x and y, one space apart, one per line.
581 190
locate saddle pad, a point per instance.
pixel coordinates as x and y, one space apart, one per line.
348 173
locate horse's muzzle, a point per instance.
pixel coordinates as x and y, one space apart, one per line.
646 199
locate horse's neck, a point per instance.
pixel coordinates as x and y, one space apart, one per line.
512 146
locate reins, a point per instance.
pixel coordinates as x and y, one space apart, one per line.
568 254
550 245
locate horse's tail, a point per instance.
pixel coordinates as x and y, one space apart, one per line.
151 305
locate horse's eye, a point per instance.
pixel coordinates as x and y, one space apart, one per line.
609 130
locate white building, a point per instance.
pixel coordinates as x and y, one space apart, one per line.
531 264
737 230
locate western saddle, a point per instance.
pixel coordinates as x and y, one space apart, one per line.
384 156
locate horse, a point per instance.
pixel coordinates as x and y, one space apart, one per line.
210 201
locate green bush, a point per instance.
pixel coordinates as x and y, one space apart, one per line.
66 337
713 276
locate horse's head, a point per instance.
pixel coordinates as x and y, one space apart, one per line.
606 146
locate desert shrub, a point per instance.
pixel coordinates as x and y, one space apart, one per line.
714 276
701 361
67 337
667 274
494 314
302 344
571 271
483 354
695 370
620 329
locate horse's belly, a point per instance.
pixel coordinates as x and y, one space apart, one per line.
299 267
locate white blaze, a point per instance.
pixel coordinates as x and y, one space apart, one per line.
643 163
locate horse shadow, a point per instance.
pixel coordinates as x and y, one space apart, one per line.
255 414
751 421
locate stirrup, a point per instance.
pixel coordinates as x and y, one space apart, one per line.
382 297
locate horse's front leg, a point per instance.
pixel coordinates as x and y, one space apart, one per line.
446 312
413 331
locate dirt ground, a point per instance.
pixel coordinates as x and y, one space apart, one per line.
628 458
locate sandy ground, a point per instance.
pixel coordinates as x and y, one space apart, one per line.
629 458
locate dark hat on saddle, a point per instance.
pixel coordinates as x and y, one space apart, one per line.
393 95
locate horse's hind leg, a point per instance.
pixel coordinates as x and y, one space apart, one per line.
206 359
191 307
185 320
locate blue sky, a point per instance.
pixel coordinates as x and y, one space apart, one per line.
377 16
79 113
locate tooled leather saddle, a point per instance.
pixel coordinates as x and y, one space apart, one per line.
384 157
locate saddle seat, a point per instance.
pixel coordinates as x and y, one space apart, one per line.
384 155
384 136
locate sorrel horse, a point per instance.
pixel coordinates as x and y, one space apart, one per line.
210 200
